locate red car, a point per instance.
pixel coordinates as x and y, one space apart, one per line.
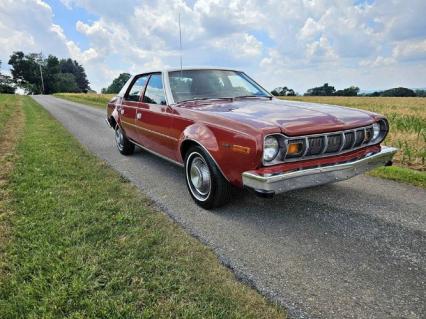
226 130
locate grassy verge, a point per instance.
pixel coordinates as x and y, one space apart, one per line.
85 243
7 107
97 100
401 174
11 122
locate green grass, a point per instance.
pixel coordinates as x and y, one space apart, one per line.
97 100
85 243
401 174
7 106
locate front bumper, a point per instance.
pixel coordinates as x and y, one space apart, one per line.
286 181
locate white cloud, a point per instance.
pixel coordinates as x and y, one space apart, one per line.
310 29
410 50
298 43
378 62
241 45
27 26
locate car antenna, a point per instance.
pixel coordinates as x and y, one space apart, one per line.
180 46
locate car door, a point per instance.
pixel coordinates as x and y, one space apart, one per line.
130 104
155 119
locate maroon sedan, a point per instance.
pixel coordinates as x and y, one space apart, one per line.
226 130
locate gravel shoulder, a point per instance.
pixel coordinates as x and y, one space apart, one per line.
356 249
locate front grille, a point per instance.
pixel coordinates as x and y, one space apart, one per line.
368 135
334 143
359 137
316 145
349 140
327 144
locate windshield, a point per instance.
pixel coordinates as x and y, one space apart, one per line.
212 84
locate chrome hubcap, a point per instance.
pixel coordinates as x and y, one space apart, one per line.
199 178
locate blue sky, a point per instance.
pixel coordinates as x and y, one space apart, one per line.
296 43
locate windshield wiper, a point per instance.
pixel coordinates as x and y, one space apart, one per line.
207 98
253 96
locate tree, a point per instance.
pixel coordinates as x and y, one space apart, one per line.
350 91
63 75
6 83
26 70
117 84
399 91
421 92
72 66
65 82
374 94
324 90
283 91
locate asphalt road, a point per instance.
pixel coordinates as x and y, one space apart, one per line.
356 249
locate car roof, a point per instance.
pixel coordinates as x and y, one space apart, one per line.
185 68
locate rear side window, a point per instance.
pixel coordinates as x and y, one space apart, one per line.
137 87
154 93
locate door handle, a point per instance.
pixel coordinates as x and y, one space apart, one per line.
138 116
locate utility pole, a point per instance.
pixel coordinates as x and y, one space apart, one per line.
41 74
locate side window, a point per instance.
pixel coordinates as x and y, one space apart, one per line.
154 93
135 90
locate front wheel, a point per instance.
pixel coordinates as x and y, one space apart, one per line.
204 180
124 146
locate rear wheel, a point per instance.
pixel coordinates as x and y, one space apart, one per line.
124 146
204 180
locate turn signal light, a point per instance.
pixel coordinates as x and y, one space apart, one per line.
294 149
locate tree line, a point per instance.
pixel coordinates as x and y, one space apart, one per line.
328 90
39 75
116 84
6 83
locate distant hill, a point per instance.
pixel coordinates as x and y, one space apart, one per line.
368 91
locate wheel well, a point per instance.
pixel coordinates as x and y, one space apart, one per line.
186 145
112 122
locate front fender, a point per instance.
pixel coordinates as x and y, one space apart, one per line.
233 152
200 134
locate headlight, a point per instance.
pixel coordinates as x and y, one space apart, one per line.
380 130
270 148
376 131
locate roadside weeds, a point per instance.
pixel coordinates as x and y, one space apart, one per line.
12 130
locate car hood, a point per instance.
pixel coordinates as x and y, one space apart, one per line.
292 117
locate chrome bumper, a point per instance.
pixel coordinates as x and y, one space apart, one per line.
283 182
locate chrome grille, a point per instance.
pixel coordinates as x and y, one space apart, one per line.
349 140
327 144
316 145
334 143
359 137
